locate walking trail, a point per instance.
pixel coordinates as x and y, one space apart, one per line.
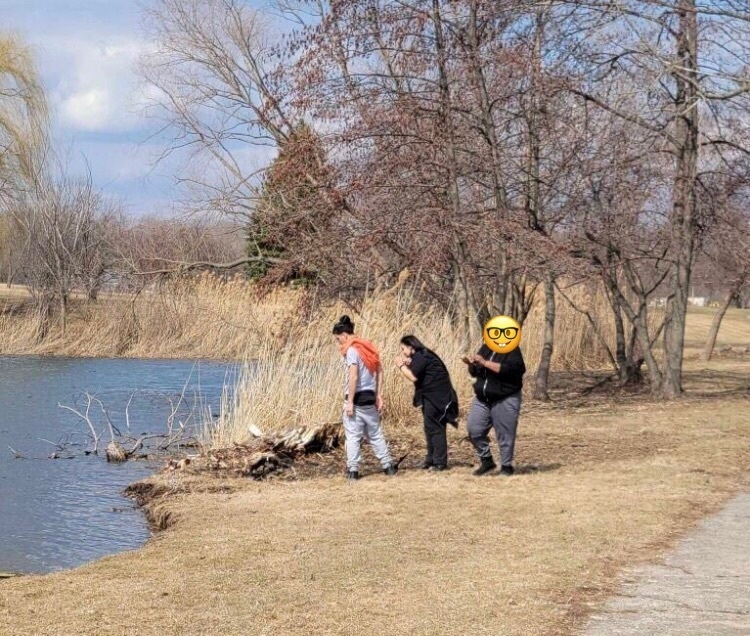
701 589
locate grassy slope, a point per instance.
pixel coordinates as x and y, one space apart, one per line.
734 332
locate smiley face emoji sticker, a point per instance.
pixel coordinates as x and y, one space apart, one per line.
502 334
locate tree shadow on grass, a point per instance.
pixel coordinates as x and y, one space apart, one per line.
713 383
590 389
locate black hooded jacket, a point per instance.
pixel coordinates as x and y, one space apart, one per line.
493 387
434 384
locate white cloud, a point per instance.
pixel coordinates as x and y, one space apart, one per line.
97 90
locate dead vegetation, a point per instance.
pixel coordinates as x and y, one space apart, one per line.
601 485
265 454
208 317
605 479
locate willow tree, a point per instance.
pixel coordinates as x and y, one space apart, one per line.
23 116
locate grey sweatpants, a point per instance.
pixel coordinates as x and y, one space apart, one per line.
365 424
503 417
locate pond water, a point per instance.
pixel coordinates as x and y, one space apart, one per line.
59 513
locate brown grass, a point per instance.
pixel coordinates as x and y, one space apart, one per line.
207 318
420 553
13 291
734 332
605 481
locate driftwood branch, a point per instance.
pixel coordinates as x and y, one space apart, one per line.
123 446
16 454
265 453
85 417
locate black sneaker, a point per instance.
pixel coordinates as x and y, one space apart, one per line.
485 467
391 470
352 474
426 465
506 471
438 468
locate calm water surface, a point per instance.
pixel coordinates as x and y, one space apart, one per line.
56 514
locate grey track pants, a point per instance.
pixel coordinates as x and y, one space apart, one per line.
503 417
365 424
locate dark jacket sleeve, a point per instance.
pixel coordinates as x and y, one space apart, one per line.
418 365
474 369
513 366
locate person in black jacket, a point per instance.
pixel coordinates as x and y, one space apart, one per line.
434 392
497 404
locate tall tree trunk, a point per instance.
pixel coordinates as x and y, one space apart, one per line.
63 300
541 381
534 211
683 205
639 321
489 130
628 368
713 332
467 309
621 355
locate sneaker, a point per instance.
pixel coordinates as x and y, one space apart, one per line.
506 471
438 468
485 467
426 465
391 470
352 474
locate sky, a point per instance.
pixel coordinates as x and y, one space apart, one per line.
85 51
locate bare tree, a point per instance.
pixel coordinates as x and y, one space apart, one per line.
667 67
60 222
728 248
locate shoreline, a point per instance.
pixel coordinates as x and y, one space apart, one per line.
124 357
599 489
605 480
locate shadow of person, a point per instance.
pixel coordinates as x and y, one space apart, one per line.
527 469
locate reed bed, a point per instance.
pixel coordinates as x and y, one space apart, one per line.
209 318
298 380
293 375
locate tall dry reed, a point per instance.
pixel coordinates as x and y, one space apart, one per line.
209 318
299 380
296 376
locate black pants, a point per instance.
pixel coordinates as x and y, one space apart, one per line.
435 434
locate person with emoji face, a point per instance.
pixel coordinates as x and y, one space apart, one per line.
363 399
498 367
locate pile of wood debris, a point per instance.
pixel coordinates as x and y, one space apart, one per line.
264 454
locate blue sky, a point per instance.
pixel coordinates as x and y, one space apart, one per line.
86 50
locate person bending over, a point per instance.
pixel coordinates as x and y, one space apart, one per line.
434 392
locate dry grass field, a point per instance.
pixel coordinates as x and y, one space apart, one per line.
605 480
13 292
734 332
600 487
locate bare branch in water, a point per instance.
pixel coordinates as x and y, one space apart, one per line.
85 416
16 454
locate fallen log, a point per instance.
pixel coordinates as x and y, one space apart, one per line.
266 453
